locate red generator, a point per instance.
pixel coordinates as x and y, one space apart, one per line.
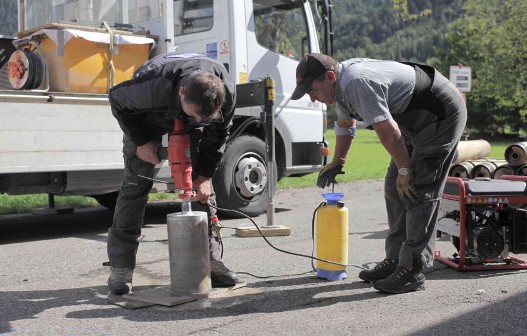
486 220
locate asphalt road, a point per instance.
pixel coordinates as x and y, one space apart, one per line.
52 281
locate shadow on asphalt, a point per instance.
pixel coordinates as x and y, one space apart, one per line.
287 297
28 304
499 318
83 221
452 274
29 227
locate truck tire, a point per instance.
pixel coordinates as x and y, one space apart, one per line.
107 200
241 181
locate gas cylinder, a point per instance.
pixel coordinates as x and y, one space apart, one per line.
331 238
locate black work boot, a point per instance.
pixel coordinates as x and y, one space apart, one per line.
403 280
221 276
380 271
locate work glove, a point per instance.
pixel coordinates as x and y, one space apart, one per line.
406 190
328 173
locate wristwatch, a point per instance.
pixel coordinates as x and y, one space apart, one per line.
404 171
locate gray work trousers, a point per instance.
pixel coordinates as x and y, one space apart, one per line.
130 209
431 145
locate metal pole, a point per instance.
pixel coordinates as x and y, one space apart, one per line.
270 146
260 95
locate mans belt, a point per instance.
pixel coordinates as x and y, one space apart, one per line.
422 97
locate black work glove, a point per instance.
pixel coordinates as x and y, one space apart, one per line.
328 173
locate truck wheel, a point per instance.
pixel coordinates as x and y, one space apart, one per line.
107 200
241 181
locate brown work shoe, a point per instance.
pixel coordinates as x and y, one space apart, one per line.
120 280
381 271
221 276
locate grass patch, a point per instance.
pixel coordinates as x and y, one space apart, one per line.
17 204
367 160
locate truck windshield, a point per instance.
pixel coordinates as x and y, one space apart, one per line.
41 12
280 26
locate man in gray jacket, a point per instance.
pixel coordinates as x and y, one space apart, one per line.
197 90
419 117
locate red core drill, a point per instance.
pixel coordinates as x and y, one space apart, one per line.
181 162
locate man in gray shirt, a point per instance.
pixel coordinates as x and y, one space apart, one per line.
419 117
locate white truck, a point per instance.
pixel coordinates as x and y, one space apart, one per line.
58 135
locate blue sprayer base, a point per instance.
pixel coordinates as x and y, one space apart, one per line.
331 275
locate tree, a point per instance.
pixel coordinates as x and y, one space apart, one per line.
402 30
491 39
402 10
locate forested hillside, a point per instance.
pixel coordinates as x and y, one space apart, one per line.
378 29
488 36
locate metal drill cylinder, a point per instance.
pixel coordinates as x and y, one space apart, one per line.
186 205
188 246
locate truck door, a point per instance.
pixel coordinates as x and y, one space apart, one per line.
204 28
279 34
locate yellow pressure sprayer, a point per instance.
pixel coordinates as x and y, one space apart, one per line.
331 237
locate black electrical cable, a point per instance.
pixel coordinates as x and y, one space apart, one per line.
273 276
313 233
285 251
34 69
274 247
242 127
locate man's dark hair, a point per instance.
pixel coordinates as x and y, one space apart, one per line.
206 90
322 77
